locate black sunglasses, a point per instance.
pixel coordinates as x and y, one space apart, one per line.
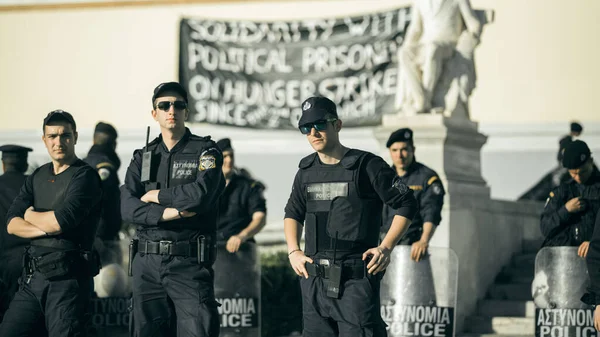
318 125
166 105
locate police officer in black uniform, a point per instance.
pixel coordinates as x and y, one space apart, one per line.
58 208
104 159
171 193
570 210
14 165
242 207
428 190
338 196
592 297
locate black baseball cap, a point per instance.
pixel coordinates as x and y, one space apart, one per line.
316 109
60 115
169 86
224 144
400 135
576 154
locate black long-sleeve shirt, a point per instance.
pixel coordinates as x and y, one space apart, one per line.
429 192
561 228
77 211
240 200
106 162
593 264
188 178
10 185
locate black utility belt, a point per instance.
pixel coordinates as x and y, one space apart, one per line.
165 247
323 268
62 264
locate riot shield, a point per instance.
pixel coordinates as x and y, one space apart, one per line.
418 298
561 279
109 317
237 289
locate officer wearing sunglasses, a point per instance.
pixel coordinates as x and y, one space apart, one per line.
337 198
171 193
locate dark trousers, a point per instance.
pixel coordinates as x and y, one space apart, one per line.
355 314
61 305
12 267
173 296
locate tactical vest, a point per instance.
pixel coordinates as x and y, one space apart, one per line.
182 168
48 194
338 214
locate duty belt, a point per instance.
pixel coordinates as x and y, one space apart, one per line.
349 271
164 247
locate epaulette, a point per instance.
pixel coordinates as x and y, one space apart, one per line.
432 180
105 164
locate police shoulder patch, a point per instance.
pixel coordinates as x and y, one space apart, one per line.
207 161
436 189
104 173
400 185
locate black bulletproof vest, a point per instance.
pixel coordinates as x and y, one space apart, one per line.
336 206
48 193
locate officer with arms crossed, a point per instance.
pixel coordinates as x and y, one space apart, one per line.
338 194
14 165
570 210
428 190
242 206
171 193
58 208
104 159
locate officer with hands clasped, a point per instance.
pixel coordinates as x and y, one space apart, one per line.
570 211
171 193
58 208
337 198
428 190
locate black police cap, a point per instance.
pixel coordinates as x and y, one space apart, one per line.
562 144
317 109
576 154
169 86
60 115
576 127
14 152
106 128
224 144
400 135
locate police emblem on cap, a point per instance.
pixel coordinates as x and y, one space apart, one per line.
207 161
407 135
306 106
582 157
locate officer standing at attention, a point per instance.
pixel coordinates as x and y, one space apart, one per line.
428 190
242 207
171 193
14 165
338 196
104 159
58 208
570 211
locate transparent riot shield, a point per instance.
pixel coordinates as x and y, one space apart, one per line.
419 298
560 281
237 289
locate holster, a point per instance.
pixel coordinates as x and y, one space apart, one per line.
207 249
133 249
